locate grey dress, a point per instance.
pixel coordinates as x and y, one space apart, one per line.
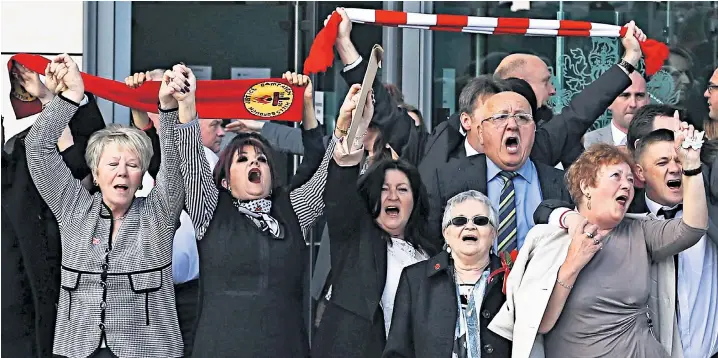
607 314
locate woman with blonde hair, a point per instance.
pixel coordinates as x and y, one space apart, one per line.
116 277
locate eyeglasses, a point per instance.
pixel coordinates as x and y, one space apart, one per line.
711 87
500 119
478 220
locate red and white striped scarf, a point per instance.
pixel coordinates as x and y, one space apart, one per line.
321 54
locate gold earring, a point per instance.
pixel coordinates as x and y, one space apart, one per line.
589 201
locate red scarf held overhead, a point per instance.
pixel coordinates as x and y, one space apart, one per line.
321 54
268 99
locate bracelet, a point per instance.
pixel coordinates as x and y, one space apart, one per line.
563 284
560 219
343 131
692 172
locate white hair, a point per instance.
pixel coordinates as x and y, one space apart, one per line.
469 195
130 138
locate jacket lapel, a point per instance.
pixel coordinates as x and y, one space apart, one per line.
443 289
379 249
497 282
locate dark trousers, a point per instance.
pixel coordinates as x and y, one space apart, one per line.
186 300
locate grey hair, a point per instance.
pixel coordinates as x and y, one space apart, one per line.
126 137
477 89
469 195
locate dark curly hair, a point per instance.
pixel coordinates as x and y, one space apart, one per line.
369 187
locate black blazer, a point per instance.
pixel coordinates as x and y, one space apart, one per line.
425 312
352 324
470 173
31 251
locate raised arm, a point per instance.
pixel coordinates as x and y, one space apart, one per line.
344 205
64 194
168 192
307 199
564 131
201 194
393 122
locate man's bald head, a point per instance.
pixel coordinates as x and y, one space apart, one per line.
531 69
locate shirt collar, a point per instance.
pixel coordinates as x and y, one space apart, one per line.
527 171
653 206
617 135
470 151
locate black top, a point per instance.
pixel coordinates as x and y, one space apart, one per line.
353 323
251 285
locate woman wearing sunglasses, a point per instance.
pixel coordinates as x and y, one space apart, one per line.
444 305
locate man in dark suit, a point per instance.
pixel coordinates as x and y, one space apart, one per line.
503 125
31 240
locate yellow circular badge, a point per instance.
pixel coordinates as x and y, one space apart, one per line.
268 99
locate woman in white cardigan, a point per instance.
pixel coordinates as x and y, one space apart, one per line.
587 294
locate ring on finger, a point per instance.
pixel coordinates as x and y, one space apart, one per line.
589 235
595 241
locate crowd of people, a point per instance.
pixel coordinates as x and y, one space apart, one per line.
176 237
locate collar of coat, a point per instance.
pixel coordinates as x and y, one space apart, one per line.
442 262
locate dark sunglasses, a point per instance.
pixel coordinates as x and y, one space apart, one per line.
478 220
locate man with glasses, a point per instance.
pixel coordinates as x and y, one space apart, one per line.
504 126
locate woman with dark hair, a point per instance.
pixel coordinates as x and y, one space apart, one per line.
250 231
377 226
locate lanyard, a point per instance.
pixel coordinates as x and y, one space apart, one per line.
468 319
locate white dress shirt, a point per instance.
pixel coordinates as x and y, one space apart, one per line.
619 138
697 288
400 254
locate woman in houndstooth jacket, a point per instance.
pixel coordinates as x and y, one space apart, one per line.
116 297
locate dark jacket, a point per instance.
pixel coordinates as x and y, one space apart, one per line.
425 312
469 173
31 249
353 323
558 140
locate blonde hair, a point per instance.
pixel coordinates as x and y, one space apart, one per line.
125 137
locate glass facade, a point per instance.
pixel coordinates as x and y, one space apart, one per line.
689 28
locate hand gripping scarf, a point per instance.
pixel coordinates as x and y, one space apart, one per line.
321 54
269 99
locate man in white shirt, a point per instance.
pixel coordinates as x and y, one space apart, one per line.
622 110
697 267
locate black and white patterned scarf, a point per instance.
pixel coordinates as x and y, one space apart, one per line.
258 212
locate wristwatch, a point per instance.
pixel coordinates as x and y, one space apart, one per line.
627 66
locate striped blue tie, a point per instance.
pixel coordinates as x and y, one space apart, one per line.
507 214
